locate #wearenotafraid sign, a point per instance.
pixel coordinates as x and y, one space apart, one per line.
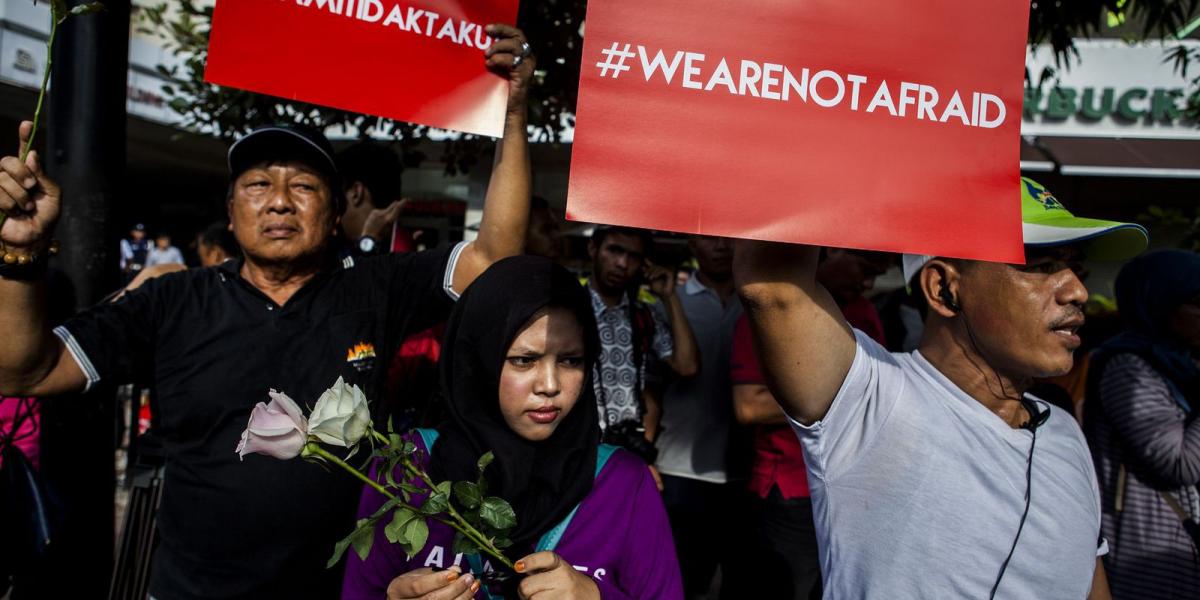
871 124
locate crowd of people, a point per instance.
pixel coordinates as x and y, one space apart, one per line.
759 428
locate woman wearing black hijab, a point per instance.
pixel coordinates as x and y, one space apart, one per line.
516 374
1143 399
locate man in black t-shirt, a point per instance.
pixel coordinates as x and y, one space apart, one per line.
288 316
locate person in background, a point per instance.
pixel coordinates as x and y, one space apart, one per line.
632 334
371 181
783 516
163 253
544 237
694 446
849 275
134 251
516 376
925 469
1143 397
903 313
216 244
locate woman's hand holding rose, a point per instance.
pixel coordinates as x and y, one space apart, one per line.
427 584
552 578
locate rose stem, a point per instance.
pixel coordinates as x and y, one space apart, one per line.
469 531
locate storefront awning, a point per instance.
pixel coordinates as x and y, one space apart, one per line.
1112 157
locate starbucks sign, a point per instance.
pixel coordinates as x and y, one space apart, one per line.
1114 90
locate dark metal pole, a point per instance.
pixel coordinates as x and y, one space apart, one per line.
86 143
85 152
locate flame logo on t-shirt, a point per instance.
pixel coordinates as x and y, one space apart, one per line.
360 351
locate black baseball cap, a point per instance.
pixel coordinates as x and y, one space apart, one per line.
286 142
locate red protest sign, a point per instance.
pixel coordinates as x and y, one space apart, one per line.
871 124
418 61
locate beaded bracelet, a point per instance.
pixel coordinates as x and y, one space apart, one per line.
24 266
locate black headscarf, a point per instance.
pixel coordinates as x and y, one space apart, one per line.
542 480
1149 289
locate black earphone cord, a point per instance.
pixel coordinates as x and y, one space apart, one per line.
1028 494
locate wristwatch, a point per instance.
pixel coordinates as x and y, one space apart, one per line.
367 245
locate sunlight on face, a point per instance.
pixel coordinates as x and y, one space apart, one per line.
543 374
282 212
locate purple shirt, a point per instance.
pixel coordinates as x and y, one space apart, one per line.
619 537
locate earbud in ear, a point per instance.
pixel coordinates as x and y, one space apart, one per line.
949 300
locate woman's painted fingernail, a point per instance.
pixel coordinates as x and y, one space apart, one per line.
451 576
474 587
520 566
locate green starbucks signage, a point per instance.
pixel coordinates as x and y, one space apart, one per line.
1111 88
1091 104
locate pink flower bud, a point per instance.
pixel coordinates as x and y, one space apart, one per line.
277 429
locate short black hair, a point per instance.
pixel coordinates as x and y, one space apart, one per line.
219 235
374 165
603 231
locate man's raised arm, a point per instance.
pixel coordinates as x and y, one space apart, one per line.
805 346
33 362
506 206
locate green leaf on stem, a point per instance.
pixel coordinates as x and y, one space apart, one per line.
58 8
463 544
394 531
389 505
338 550
437 503
363 537
497 513
484 461
360 538
467 494
87 9
388 476
416 532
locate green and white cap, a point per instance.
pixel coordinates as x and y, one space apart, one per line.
1045 222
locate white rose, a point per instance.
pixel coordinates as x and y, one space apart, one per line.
341 416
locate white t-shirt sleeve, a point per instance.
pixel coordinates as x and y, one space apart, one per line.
872 388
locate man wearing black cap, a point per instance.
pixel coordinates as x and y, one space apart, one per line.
288 316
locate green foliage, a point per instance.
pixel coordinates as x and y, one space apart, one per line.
467 494
87 9
1059 22
361 539
409 529
484 461
481 523
497 514
1175 219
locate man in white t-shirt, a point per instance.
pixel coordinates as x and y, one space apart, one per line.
932 474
